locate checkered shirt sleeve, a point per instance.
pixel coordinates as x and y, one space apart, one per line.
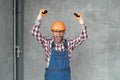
73 43
45 41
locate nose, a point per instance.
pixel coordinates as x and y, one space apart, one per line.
58 32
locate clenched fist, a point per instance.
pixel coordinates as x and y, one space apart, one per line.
42 13
79 17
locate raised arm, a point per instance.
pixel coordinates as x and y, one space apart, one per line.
83 33
36 28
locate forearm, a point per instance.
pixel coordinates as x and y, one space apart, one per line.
36 29
83 34
79 39
36 32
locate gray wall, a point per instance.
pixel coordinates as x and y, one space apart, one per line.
6 39
97 58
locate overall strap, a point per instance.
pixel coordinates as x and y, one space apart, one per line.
53 44
65 43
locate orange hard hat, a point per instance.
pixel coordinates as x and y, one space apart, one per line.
58 26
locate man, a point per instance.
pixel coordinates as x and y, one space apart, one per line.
57 49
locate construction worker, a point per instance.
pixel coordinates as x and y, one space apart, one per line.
57 49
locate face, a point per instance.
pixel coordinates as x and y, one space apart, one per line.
58 36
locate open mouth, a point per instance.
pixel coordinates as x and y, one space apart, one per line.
58 38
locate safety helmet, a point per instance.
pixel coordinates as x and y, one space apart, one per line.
58 26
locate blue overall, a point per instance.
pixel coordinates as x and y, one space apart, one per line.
58 68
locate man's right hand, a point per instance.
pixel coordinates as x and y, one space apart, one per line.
42 13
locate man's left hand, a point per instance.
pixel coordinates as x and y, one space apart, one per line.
79 17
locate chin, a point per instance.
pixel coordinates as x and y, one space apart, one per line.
58 41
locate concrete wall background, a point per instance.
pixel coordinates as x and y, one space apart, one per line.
97 58
6 39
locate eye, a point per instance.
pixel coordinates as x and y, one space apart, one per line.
61 31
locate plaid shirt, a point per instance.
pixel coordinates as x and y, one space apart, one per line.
46 42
